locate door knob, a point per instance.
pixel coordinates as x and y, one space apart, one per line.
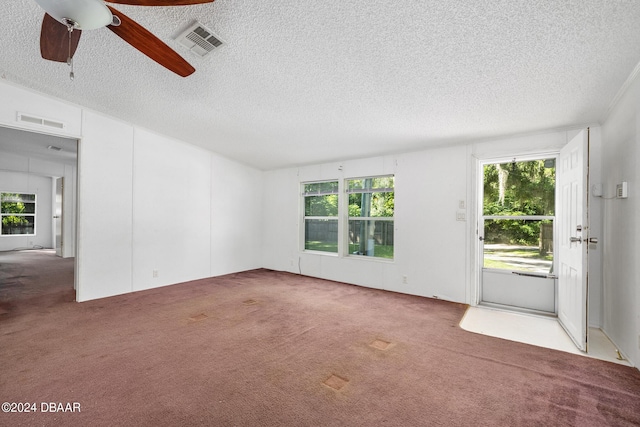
575 240
593 240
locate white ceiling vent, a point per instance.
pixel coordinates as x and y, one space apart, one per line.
199 39
39 121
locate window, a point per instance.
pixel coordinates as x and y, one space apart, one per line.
18 212
321 216
371 208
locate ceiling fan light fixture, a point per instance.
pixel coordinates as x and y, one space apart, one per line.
86 14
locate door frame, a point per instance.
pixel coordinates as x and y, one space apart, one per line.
58 217
75 214
478 189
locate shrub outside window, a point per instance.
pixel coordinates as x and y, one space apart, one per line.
18 212
371 216
321 216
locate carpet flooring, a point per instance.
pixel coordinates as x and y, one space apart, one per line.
266 348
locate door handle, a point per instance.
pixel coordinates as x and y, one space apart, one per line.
575 239
593 240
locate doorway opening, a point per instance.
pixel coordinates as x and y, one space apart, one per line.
527 270
38 182
516 231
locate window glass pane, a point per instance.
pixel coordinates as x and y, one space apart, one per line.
371 204
321 235
29 208
321 187
520 188
18 203
14 224
520 245
17 197
384 182
321 205
371 238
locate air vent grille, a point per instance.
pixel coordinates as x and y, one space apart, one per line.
39 121
199 39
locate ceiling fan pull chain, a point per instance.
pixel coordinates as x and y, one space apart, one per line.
70 58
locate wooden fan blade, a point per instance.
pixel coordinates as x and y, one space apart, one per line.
54 40
160 2
143 40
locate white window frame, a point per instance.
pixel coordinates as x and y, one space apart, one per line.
304 195
34 214
348 218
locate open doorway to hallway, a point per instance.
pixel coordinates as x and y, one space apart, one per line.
38 177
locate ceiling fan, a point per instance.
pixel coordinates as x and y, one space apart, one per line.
64 21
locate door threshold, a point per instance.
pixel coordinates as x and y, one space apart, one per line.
534 329
520 310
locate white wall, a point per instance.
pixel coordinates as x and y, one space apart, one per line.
171 211
19 182
133 186
17 100
430 245
621 270
155 211
236 217
105 205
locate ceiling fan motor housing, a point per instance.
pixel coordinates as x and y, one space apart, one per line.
86 14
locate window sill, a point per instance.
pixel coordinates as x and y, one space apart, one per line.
370 258
350 256
312 252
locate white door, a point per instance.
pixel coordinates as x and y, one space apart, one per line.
573 235
57 216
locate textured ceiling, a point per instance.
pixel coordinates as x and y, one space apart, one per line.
304 82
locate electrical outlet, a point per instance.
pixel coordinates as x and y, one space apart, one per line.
404 280
155 274
461 216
